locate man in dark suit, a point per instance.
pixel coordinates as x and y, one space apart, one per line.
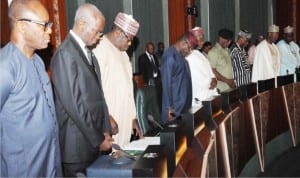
149 69
80 105
148 65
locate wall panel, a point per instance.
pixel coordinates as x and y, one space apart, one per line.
222 15
4 23
149 15
179 20
254 9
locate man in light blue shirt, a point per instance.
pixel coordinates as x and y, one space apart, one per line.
289 50
28 127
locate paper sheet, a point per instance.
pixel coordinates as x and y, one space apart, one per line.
142 144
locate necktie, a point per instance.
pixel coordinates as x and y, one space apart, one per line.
93 62
90 56
153 66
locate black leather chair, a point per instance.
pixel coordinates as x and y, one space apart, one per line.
147 105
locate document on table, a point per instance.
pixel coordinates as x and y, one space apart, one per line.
142 144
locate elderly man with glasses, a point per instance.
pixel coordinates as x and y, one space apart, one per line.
29 142
81 109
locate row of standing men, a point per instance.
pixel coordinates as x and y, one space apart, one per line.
227 65
46 135
93 103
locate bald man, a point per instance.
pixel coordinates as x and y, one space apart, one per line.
29 132
80 105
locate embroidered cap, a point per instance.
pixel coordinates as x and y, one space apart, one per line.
288 29
244 33
273 28
127 23
192 39
197 31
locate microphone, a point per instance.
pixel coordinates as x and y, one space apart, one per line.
151 119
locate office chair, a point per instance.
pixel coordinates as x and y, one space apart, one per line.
146 104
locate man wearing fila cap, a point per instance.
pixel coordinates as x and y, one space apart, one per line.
289 50
266 63
220 60
204 81
176 78
116 75
240 64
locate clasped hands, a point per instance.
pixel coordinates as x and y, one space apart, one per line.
108 140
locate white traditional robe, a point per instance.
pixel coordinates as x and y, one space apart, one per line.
290 57
202 75
266 64
117 83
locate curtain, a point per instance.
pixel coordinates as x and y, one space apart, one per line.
149 14
254 17
110 9
221 15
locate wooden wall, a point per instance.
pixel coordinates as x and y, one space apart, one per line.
287 12
179 20
56 9
4 23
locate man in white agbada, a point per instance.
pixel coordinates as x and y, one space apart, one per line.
204 81
116 75
289 50
266 63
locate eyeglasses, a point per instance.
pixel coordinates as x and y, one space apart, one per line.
100 34
126 36
46 25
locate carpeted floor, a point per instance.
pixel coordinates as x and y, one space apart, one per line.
286 165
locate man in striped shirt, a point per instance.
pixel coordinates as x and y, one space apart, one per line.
240 64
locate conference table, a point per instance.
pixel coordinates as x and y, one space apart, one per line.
235 134
254 124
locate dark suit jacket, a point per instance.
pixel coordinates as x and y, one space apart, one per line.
80 105
145 67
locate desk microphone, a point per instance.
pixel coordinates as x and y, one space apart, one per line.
151 119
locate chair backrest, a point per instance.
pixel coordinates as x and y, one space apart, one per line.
146 104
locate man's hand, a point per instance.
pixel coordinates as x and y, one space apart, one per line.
231 83
135 126
220 77
171 114
107 143
213 83
114 125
